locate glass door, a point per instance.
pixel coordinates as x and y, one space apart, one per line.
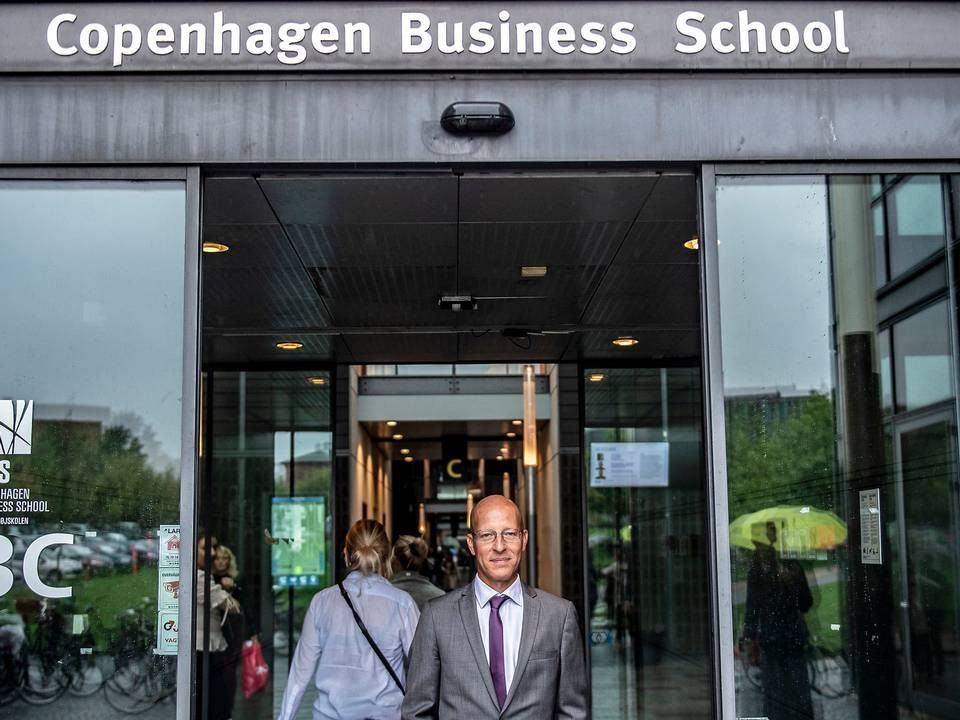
265 529
929 531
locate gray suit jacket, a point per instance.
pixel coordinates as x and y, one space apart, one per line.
449 676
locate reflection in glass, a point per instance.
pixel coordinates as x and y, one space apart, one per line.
647 601
93 346
928 469
921 345
265 495
833 592
917 220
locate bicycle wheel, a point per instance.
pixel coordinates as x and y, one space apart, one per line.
42 685
85 679
132 689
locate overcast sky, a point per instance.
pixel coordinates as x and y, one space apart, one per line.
774 282
92 287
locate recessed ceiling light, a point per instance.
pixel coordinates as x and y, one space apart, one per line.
398 436
317 380
404 451
533 271
693 243
511 434
504 450
499 457
516 422
597 377
391 423
214 247
289 345
408 458
625 341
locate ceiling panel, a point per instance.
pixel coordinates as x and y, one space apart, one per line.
661 295
218 348
359 252
653 344
375 244
250 299
351 199
553 198
235 201
402 347
386 296
494 347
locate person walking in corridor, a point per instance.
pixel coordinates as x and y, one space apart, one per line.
497 648
356 638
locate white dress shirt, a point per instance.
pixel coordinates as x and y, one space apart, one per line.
511 615
351 681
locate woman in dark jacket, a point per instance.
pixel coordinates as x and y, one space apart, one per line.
409 555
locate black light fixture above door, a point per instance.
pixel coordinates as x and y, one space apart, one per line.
477 118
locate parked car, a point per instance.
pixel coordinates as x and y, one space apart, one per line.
146 550
96 562
53 564
119 555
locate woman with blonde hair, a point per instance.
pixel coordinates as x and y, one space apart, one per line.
360 628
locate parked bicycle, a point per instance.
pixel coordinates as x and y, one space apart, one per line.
141 678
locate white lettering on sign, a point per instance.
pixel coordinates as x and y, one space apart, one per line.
31 565
125 40
292 42
4 472
785 37
417 36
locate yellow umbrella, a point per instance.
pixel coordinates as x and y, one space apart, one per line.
789 528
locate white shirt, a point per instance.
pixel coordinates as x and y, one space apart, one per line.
350 679
218 608
511 615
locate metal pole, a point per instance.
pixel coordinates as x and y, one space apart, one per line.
530 464
531 527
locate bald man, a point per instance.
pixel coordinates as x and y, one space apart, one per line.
497 648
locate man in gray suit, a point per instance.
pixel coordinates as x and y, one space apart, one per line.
496 648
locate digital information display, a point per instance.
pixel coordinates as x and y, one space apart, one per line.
299 554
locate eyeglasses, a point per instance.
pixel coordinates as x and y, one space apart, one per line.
510 537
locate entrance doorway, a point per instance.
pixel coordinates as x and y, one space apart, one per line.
364 338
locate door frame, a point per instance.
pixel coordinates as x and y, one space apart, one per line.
943 412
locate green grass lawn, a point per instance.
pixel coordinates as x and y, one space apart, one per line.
108 595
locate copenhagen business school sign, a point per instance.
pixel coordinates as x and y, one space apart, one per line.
16 438
618 36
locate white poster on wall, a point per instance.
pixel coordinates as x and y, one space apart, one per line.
629 464
168 589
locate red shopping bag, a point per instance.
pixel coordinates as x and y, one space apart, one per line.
255 673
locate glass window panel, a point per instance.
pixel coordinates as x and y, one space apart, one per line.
921 344
928 472
917 223
425 369
886 372
879 245
647 600
810 440
266 496
93 340
489 369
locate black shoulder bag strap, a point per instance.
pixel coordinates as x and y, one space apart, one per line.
363 629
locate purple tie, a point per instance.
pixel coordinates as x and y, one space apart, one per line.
497 671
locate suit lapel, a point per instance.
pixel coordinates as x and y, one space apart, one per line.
471 626
531 621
